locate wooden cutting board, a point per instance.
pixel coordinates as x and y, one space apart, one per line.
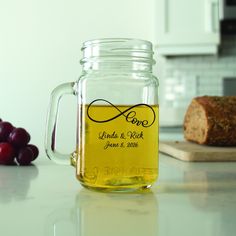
187 151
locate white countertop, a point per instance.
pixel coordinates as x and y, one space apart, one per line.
188 199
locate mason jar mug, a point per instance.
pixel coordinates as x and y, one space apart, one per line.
117 116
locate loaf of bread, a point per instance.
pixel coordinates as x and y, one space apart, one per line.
211 120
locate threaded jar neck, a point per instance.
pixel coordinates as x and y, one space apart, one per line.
117 54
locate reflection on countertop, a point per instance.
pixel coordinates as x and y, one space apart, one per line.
107 214
15 182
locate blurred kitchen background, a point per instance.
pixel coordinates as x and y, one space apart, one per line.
40 41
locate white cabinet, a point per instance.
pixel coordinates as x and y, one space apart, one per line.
187 26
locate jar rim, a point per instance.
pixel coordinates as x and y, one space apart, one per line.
132 41
119 49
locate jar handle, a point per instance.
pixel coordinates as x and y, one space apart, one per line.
51 125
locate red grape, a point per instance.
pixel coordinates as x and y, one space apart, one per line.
34 149
25 156
19 137
5 129
7 153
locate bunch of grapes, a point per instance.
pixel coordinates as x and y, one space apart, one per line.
14 145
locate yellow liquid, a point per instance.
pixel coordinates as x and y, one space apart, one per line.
119 154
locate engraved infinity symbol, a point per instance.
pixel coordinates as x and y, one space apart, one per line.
128 114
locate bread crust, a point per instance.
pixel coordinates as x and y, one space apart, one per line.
219 114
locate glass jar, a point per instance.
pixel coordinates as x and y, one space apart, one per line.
117 121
